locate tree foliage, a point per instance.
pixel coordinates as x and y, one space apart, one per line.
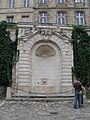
81 50
8 51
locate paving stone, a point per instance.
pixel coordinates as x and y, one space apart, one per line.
29 110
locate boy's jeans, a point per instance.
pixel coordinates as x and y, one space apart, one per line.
77 99
82 98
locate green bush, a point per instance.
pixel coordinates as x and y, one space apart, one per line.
8 51
81 50
88 94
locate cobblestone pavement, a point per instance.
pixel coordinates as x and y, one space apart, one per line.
31 110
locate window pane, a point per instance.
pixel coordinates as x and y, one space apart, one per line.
11 3
25 18
80 18
61 18
26 3
10 18
60 1
77 21
63 21
43 1
78 1
43 17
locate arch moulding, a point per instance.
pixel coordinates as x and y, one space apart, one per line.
45 62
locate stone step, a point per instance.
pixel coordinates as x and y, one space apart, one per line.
43 97
39 99
48 98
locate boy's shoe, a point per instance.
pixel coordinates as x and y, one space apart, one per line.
82 106
75 107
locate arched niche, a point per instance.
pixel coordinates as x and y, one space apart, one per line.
45 68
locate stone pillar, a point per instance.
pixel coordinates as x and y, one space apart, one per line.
8 93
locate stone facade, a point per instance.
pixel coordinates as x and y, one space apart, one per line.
45 60
45 50
31 11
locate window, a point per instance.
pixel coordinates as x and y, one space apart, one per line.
78 1
79 18
60 1
43 17
25 18
43 1
26 3
61 18
11 3
10 18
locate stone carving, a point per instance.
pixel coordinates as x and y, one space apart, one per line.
44 81
45 51
21 32
49 31
12 36
24 32
46 32
66 34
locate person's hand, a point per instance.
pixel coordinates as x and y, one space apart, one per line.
80 92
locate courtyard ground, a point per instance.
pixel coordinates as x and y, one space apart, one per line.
43 110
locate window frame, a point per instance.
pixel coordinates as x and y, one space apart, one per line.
79 1
60 1
10 19
80 19
61 17
43 17
26 3
43 1
11 3
25 18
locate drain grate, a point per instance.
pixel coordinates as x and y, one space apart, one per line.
54 113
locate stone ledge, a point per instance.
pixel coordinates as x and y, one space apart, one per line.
39 99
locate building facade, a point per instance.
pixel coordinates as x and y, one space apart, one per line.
61 12
44 43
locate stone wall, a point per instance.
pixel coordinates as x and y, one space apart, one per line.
45 60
